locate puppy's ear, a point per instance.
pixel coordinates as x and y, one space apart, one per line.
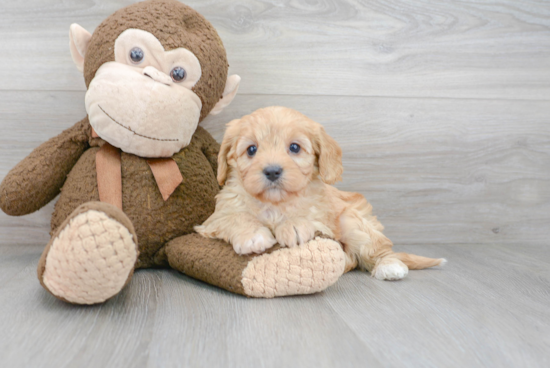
228 142
329 156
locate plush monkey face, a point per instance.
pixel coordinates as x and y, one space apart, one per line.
143 101
154 70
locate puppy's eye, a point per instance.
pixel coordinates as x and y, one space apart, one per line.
136 54
178 74
251 151
294 148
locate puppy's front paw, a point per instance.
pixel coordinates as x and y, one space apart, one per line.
253 241
295 232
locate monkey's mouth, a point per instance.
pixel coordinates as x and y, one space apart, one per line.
136 133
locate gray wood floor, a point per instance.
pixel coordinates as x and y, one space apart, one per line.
443 111
489 307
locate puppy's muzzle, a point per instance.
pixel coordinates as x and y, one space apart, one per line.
273 173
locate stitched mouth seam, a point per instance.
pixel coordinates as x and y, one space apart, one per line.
136 133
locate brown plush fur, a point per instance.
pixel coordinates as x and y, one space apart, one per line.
36 180
193 254
210 260
27 188
155 220
174 25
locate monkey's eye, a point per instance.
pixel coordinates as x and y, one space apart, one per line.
178 74
251 151
136 54
294 148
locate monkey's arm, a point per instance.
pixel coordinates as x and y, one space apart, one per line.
210 148
38 178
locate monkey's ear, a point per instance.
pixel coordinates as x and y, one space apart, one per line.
229 92
79 39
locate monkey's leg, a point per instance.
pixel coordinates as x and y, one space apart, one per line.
91 256
305 269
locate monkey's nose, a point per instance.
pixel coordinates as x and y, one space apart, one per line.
273 172
157 75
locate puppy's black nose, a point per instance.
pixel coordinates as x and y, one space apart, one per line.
273 172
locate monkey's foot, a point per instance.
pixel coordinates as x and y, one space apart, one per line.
91 256
305 269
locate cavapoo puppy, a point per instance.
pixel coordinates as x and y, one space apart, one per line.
277 166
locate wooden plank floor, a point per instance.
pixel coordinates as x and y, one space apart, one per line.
489 307
443 111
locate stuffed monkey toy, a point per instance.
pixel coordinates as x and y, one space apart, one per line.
138 172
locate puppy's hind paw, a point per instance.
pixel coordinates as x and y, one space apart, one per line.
256 242
390 270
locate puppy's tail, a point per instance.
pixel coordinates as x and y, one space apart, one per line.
415 262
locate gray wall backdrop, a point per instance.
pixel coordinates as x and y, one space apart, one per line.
442 108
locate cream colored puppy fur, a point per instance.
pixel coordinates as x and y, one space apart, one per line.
277 166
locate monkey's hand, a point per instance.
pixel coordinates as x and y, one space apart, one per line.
36 180
293 232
